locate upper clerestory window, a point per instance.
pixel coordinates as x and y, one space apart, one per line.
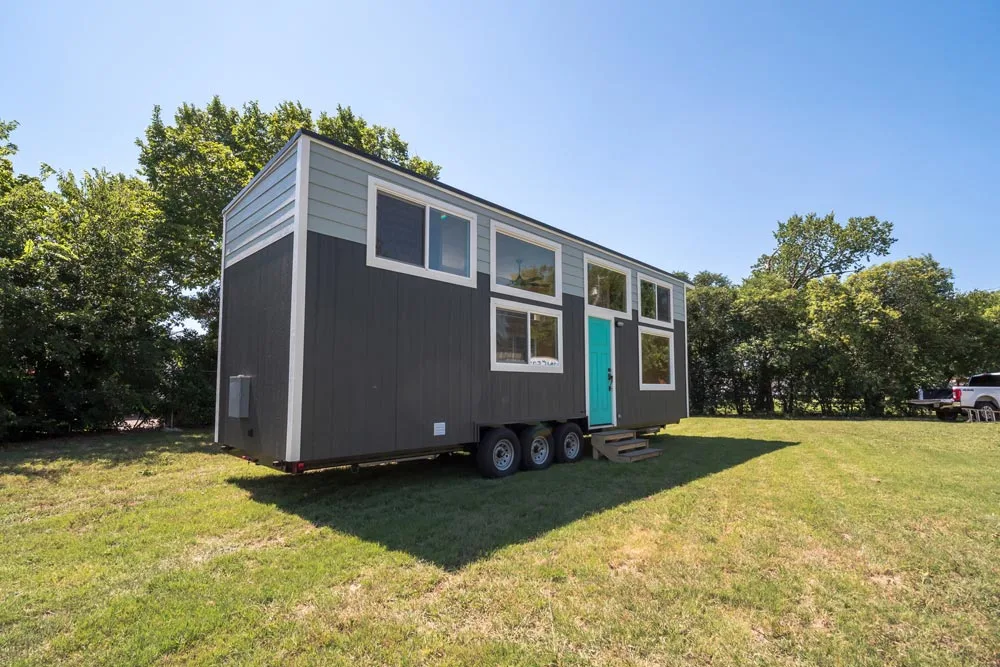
525 264
418 235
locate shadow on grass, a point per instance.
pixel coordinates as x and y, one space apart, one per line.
441 511
39 458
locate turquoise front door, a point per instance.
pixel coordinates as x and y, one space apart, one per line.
600 376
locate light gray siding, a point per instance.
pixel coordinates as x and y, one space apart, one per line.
338 206
265 212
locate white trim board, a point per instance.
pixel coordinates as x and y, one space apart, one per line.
218 352
687 369
529 309
533 239
662 333
296 338
669 324
534 225
271 165
376 185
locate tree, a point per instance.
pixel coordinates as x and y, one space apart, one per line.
198 164
812 247
85 309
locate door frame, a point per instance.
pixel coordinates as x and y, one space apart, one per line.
586 366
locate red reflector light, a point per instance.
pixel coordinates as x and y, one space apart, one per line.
956 394
300 467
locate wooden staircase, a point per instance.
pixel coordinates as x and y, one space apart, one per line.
621 446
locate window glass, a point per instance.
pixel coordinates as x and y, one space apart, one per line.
525 265
544 340
399 230
512 336
606 287
655 359
647 299
448 245
662 303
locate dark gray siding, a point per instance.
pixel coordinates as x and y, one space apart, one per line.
255 336
646 408
387 355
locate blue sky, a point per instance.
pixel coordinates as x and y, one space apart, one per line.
675 133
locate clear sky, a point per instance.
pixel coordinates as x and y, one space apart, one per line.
678 133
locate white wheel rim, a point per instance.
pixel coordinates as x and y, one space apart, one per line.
503 454
571 443
539 450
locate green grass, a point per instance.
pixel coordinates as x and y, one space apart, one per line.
748 542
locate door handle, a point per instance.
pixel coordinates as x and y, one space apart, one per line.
611 380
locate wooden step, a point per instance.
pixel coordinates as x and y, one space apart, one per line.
637 455
619 446
601 437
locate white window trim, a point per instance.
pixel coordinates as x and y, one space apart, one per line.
660 283
673 368
524 308
600 310
533 239
376 185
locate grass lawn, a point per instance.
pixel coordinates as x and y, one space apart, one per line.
748 542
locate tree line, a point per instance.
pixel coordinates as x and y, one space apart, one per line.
814 330
100 272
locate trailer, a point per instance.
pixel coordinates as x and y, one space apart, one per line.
370 314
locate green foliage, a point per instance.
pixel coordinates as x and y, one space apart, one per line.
812 247
797 332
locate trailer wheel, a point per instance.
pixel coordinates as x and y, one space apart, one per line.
537 447
569 443
498 453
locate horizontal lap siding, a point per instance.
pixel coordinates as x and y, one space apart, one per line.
255 335
338 206
259 215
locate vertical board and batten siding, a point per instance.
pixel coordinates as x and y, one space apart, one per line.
338 206
255 330
265 212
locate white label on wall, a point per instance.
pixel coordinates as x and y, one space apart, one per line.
438 428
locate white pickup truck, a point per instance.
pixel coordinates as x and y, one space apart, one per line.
982 393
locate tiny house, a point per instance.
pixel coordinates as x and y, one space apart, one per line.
371 314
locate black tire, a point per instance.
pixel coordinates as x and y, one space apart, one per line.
983 406
498 453
569 443
537 447
947 415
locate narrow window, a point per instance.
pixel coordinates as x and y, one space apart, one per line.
656 359
526 338
655 301
607 288
399 231
449 243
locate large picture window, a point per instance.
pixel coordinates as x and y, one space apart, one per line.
656 359
655 301
525 338
411 233
608 287
525 264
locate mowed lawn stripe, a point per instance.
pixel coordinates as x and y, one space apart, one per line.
747 542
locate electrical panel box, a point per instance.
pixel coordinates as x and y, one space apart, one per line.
239 396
